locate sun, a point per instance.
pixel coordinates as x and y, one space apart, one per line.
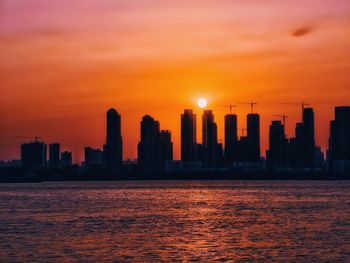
202 103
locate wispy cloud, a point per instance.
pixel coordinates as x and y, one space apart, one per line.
302 31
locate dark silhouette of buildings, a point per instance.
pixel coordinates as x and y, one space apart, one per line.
113 149
309 136
165 148
155 146
339 141
231 137
242 147
209 139
253 137
276 155
148 145
66 159
93 158
298 153
33 155
188 136
247 149
54 156
301 151
155 149
219 154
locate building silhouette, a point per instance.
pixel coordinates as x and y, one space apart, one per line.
33 155
148 145
339 141
66 159
231 137
301 148
242 148
219 151
309 136
253 137
276 155
165 148
188 136
155 147
54 155
113 149
209 139
93 158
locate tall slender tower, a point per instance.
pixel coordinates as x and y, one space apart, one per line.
113 149
277 153
230 136
54 155
339 141
188 136
253 136
209 138
33 155
165 148
309 136
148 145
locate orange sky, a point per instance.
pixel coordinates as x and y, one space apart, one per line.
63 64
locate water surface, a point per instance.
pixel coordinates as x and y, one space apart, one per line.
241 221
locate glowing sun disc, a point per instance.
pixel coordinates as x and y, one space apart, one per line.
202 103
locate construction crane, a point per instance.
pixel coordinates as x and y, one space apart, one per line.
36 138
230 106
283 117
252 104
302 104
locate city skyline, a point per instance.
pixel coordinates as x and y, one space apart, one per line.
114 128
155 151
75 62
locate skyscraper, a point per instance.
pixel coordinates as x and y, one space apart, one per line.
301 149
309 136
253 137
33 155
66 159
113 149
209 138
148 145
277 153
339 141
230 136
297 146
54 155
93 158
188 136
165 148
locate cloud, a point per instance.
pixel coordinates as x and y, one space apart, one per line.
302 31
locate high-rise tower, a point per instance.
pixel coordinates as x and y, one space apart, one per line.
339 141
277 153
309 136
230 136
54 155
188 136
209 138
148 145
113 149
253 137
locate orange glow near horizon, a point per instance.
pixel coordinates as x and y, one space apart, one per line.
64 64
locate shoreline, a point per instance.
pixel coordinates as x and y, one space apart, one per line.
17 175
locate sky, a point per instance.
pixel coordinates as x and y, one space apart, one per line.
64 63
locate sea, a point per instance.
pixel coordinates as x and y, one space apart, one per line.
175 221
